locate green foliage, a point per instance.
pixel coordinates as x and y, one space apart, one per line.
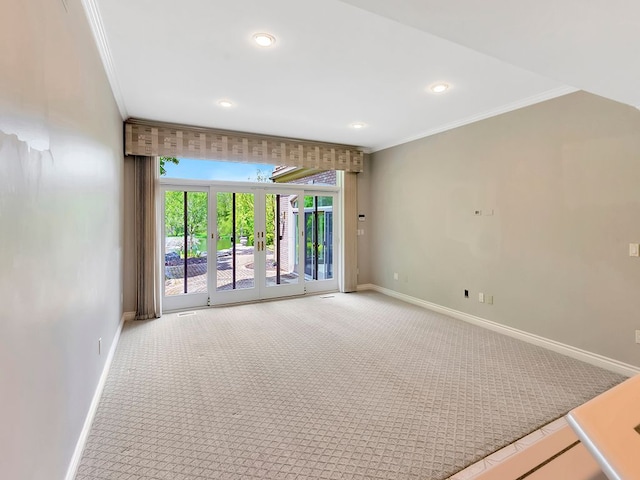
197 207
244 217
309 201
164 161
270 221
261 176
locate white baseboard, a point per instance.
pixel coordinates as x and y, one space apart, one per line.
84 434
573 352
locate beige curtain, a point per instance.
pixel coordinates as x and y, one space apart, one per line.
148 268
350 233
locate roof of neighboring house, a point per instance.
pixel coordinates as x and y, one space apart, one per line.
284 174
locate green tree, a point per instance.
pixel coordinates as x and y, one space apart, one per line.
262 176
224 227
174 213
164 161
197 206
197 212
245 216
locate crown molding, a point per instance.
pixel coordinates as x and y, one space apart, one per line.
97 28
525 102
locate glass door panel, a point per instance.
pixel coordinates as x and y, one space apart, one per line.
281 253
319 242
279 238
185 248
235 246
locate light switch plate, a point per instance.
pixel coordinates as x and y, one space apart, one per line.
634 249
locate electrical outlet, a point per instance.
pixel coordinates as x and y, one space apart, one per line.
634 249
637 336
395 275
489 299
481 297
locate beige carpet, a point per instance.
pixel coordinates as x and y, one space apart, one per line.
356 386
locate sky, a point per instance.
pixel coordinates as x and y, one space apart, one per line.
208 170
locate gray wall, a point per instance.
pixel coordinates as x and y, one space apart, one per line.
60 234
563 180
364 204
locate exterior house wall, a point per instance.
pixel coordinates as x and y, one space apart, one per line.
327 177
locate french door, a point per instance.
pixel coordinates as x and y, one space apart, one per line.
255 235
246 243
185 247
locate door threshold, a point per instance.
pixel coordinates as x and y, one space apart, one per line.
274 299
250 302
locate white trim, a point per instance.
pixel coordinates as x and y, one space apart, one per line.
568 350
86 428
248 186
97 28
525 102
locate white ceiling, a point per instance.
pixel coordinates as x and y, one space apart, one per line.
593 45
334 63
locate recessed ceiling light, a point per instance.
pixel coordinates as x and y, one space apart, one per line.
439 87
225 103
264 39
358 125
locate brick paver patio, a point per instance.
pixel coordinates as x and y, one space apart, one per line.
244 275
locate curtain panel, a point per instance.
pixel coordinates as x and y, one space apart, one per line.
167 140
149 280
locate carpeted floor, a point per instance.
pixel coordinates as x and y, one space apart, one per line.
355 386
